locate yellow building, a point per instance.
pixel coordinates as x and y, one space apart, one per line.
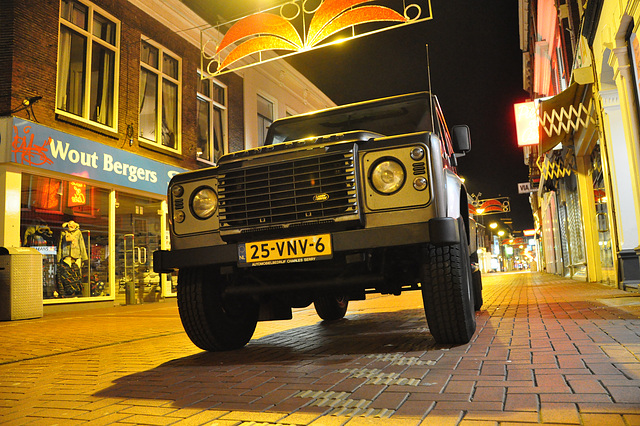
582 68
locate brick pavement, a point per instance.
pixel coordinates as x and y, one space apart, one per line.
547 350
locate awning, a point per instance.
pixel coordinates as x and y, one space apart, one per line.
564 114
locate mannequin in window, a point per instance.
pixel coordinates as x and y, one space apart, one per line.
38 235
71 253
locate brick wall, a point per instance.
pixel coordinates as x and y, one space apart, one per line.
29 41
6 52
235 92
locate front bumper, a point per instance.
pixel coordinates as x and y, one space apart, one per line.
438 231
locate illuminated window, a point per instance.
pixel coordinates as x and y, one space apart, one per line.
41 193
160 92
212 119
88 54
51 207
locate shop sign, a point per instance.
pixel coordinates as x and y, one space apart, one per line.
77 194
40 146
527 123
526 188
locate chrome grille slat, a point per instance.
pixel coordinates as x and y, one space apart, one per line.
257 178
310 207
283 193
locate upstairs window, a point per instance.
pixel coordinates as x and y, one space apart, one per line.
160 96
212 119
88 63
265 118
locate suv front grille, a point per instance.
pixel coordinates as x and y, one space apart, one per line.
309 189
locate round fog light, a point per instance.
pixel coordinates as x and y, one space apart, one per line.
178 216
420 183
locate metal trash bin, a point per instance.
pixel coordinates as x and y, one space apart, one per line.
20 283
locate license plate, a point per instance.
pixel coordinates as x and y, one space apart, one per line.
286 250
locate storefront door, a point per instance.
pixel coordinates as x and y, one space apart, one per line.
602 218
138 235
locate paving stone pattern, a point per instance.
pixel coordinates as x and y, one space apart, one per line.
547 350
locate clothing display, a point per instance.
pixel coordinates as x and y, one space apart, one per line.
71 253
72 243
69 279
37 236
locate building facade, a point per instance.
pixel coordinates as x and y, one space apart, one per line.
581 68
101 103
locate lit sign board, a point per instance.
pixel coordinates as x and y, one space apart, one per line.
527 123
77 194
39 146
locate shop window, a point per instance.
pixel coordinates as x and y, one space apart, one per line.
137 236
67 221
265 118
212 119
88 53
160 93
43 194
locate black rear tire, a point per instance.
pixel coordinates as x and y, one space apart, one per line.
331 307
476 279
447 291
213 323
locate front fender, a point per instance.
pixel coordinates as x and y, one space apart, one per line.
453 188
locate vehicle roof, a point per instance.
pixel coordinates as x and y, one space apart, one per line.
387 116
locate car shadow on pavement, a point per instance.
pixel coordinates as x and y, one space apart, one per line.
322 356
355 335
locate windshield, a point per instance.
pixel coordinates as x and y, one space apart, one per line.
388 116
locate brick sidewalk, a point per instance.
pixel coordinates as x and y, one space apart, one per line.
547 350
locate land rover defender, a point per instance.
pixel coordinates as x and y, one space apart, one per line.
336 204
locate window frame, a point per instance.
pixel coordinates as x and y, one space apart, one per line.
259 117
212 106
157 144
90 39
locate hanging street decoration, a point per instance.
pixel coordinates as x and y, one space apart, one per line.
489 206
300 26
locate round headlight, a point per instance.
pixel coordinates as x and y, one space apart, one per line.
204 203
387 176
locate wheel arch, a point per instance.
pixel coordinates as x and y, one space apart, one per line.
464 212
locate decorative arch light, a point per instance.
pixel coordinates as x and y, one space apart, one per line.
299 26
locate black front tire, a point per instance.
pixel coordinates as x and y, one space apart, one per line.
331 307
447 291
213 323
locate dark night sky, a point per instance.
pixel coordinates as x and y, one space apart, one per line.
476 72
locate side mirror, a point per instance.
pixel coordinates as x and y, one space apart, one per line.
461 136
